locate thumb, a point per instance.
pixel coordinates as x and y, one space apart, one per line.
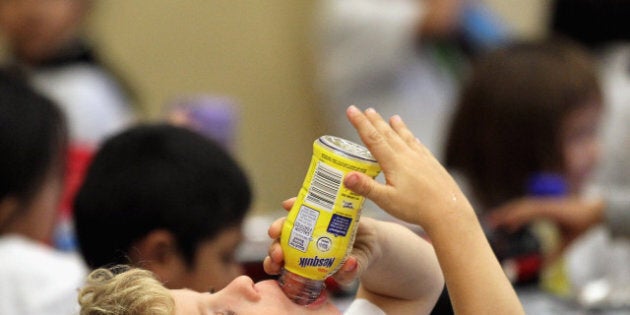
363 185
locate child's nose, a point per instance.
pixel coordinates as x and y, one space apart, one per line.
244 285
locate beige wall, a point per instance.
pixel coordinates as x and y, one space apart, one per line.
254 51
527 17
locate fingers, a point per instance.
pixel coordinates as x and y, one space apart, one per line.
406 135
348 272
371 136
273 262
391 136
271 267
363 185
287 204
275 228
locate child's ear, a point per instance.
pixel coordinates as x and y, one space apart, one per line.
159 253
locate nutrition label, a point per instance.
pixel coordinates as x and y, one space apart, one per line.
303 228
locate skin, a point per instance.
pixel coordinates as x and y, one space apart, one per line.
573 214
214 264
441 19
418 190
242 296
580 144
37 29
38 219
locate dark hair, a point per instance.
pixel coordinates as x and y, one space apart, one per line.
157 177
33 141
591 22
506 125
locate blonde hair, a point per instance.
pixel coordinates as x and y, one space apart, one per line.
122 290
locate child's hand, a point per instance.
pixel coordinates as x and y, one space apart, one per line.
417 189
364 250
573 215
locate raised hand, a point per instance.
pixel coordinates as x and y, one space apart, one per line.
417 188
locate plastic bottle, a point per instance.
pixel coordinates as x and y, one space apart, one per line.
553 276
522 252
319 231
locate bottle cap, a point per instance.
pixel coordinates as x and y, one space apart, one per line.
300 290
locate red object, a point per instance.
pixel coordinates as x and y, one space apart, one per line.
78 160
528 267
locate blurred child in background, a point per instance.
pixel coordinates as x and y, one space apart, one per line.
404 57
599 257
528 109
48 46
47 43
34 278
167 199
399 271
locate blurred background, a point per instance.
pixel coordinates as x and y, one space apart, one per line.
257 53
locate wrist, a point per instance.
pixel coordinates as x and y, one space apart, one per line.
456 216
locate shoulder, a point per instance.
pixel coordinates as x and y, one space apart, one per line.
77 80
22 257
28 267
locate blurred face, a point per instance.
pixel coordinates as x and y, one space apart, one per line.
215 263
581 144
37 221
242 297
36 29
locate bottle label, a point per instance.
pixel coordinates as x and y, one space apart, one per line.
319 230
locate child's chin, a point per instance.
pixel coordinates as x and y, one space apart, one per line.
321 300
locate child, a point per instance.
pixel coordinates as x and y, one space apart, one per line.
530 108
34 279
167 199
398 270
47 44
613 58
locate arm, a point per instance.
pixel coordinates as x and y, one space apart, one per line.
398 270
419 190
573 215
403 275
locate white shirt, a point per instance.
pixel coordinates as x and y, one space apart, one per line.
368 55
90 99
363 307
36 280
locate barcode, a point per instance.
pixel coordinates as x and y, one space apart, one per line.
324 186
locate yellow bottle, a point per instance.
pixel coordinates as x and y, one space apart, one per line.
319 231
